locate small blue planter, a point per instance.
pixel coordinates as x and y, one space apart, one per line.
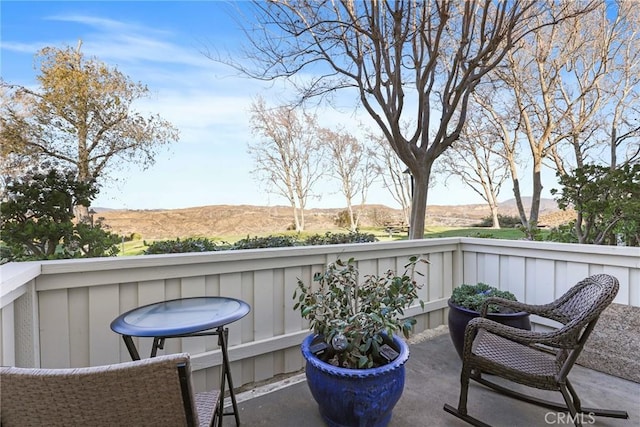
356 397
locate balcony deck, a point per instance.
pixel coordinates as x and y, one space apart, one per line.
432 379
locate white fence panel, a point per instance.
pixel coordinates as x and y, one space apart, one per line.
57 313
540 272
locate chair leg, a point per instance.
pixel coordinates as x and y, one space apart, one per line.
461 410
570 406
574 396
464 391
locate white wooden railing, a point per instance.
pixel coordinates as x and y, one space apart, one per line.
57 313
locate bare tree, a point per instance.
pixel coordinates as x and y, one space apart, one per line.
395 176
503 116
477 160
600 89
623 84
404 59
531 81
352 163
557 79
533 75
288 158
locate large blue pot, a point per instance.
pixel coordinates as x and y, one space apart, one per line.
460 316
356 397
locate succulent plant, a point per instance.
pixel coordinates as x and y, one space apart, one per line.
473 296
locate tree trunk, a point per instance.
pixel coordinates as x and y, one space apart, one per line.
82 212
613 147
535 200
418 208
520 206
352 221
294 208
494 215
301 223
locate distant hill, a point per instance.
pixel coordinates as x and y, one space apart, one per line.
239 220
546 205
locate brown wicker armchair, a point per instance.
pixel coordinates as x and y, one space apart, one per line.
149 392
536 359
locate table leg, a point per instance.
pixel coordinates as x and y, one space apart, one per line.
223 335
158 343
133 352
223 376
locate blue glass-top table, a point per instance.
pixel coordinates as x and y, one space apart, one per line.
181 318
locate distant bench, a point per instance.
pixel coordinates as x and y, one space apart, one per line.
395 228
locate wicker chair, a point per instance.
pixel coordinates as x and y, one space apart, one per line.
536 359
148 392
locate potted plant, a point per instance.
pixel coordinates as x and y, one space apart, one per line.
355 362
465 304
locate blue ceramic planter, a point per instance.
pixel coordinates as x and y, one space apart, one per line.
356 397
460 316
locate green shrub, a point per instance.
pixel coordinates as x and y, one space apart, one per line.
473 296
5 254
135 236
336 238
483 235
505 221
565 233
181 246
265 242
205 245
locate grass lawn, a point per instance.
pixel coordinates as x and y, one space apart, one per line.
137 247
133 247
488 233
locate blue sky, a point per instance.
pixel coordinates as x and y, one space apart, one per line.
160 44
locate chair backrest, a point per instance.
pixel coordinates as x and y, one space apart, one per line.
580 307
587 299
148 392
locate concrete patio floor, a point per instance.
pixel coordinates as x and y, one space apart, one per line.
432 379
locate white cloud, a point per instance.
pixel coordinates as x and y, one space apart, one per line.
19 47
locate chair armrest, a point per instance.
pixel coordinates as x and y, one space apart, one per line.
540 310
